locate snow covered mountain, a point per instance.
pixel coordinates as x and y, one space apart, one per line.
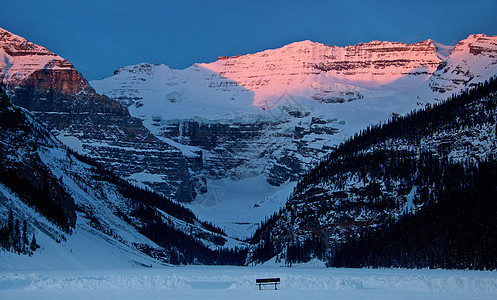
58 95
418 191
328 74
261 120
233 136
303 70
472 60
84 216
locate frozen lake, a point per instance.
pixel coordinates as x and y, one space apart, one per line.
195 282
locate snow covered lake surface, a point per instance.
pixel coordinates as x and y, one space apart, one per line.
202 282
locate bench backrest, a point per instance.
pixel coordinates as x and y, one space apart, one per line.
267 280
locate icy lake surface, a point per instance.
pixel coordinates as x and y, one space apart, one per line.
200 282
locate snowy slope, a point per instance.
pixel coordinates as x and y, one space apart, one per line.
85 248
107 229
26 145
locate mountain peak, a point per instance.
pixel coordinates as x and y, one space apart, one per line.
305 43
479 38
15 45
26 63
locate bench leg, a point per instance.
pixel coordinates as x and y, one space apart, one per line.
260 286
275 286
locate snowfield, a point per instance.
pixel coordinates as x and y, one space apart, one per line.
193 282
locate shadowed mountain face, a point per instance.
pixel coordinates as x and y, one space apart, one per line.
60 97
72 203
23 171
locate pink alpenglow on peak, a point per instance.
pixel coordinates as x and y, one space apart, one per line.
308 69
25 63
312 73
472 60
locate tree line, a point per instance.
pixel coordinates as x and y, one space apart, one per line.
454 230
14 238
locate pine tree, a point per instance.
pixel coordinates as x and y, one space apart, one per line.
33 246
9 230
4 100
17 237
25 241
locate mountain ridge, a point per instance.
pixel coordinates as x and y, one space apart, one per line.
234 121
274 113
60 97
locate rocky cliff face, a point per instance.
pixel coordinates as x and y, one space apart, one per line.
58 95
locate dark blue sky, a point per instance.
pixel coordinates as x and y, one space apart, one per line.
98 36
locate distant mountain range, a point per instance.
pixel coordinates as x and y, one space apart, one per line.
230 139
272 115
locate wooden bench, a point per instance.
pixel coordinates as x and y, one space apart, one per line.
267 281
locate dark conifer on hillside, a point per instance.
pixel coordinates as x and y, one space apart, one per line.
13 237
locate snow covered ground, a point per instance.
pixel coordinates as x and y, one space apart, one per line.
238 207
195 282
